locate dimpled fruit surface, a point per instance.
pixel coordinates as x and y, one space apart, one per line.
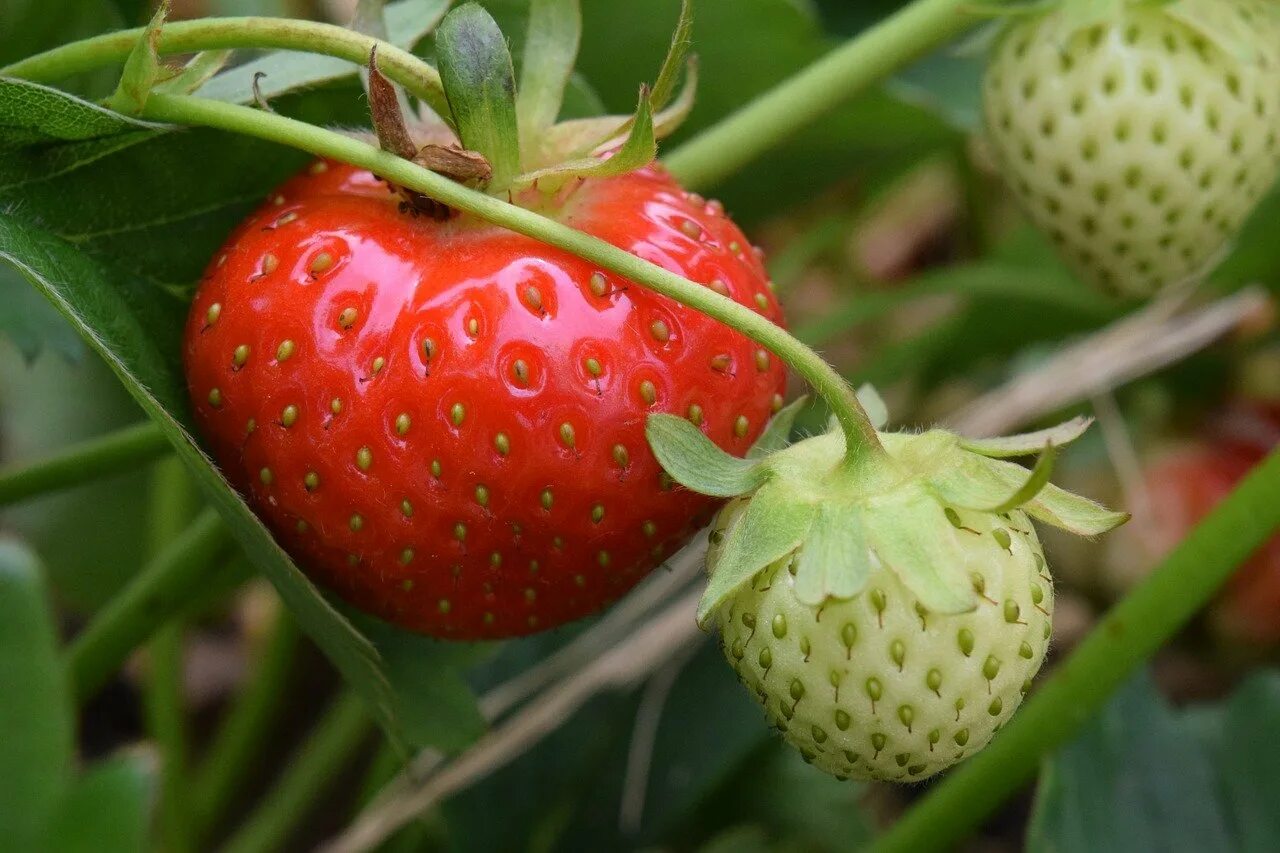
877 687
443 421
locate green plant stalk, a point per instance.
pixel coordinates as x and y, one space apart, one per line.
237 745
1126 637
860 436
417 77
769 119
172 505
329 746
157 593
114 453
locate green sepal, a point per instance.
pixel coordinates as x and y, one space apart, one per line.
773 525
638 150
1025 444
585 135
696 463
909 532
479 83
665 84
777 433
142 70
1035 483
834 561
873 404
200 70
550 50
976 482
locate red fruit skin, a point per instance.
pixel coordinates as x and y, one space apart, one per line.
508 405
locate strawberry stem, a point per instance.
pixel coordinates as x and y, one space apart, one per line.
801 99
114 453
860 437
1124 639
418 78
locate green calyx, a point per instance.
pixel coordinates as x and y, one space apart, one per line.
512 128
841 524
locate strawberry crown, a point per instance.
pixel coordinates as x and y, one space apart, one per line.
508 133
842 523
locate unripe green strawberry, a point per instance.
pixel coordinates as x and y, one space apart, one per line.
1138 135
890 608
878 687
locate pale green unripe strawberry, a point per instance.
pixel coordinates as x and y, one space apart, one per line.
877 686
1138 134
889 609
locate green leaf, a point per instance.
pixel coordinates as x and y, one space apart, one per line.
31 113
696 463
777 434
1136 778
90 296
1025 444
407 23
108 810
118 190
835 560
773 525
681 40
436 706
37 748
1248 758
550 49
479 82
142 70
638 150
911 536
976 482
30 322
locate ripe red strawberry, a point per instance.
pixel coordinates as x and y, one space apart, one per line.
443 420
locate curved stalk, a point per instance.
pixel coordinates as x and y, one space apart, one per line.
417 77
801 99
860 436
1126 637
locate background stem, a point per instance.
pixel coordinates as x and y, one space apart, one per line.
316 764
172 505
237 744
767 121
417 77
1126 637
860 437
114 453
162 589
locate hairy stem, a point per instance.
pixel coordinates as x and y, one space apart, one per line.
1126 637
156 594
329 746
115 453
860 437
773 116
417 77
236 747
